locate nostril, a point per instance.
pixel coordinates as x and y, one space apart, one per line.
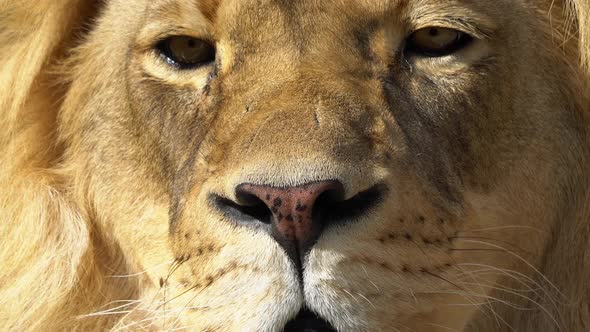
248 208
333 209
334 194
245 198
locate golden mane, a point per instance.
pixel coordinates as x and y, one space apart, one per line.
47 241
45 237
581 12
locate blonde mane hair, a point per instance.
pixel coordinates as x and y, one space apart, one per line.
47 256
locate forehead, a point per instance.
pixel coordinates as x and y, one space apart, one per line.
209 8
244 11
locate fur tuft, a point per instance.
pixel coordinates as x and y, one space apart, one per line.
581 10
41 232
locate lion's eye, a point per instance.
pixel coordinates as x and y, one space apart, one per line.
186 52
437 42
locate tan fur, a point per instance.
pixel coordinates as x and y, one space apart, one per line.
108 160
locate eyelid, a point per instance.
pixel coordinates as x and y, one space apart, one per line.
475 28
175 33
151 35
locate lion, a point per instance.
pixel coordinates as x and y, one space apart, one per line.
272 165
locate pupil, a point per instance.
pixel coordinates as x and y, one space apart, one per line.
191 43
433 32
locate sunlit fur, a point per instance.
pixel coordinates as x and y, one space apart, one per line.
107 163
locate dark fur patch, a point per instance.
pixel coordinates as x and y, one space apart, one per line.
436 127
209 8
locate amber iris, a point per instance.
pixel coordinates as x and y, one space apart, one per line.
186 52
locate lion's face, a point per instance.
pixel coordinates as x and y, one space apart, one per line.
368 161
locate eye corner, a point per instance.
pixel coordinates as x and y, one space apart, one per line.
185 52
162 52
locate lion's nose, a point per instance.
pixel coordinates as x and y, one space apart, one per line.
296 212
296 216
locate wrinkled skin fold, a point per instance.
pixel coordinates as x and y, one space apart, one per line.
453 190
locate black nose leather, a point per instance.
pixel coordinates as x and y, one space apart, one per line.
296 216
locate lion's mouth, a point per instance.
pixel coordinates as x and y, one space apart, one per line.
307 321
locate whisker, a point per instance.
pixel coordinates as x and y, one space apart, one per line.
494 240
349 293
109 311
443 279
517 294
539 305
527 287
142 272
423 252
501 228
435 275
367 275
461 288
185 306
176 265
488 301
520 277
479 249
442 326
522 260
474 295
152 321
179 295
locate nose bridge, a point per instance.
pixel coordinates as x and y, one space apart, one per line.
287 120
300 97
292 133
298 125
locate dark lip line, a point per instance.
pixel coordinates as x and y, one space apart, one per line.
309 321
